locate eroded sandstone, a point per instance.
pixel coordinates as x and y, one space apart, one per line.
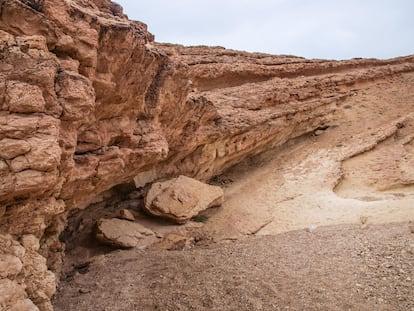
89 101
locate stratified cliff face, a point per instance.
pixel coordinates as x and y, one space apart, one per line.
81 91
88 101
259 101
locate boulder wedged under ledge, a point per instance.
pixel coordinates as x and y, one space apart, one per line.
181 198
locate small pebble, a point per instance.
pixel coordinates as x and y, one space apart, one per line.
126 214
84 291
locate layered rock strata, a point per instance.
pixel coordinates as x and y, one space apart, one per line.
89 101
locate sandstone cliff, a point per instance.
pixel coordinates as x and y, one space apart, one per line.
88 101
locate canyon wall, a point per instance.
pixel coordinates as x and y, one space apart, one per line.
89 101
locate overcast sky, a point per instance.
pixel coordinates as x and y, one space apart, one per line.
311 28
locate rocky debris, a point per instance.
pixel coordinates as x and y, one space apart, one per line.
126 214
123 233
335 268
183 238
173 241
181 198
89 101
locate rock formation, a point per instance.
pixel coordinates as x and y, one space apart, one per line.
88 101
126 214
181 198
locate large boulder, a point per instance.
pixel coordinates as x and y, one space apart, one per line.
123 233
181 198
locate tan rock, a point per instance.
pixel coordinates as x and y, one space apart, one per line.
45 153
182 198
10 293
19 164
24 98
123 233
24 305
30 242
9 246
3 166
10 265
126 214
76 96
88 101
10 148
30 218
32 180
173 241
33 42
40 282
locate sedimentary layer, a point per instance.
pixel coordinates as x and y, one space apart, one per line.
89 101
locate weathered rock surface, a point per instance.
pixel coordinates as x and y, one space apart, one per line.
123 233
126 214
24 274
88 101
181 198
9 265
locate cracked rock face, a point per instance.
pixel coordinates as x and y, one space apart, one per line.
79 87
88 101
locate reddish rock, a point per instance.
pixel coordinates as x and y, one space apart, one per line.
88 101
11 148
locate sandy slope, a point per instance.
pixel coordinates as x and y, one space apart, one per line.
362 166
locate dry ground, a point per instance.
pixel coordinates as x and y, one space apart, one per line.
332 268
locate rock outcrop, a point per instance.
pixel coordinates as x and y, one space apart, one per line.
88 101
181 198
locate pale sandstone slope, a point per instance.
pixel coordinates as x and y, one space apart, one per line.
88 101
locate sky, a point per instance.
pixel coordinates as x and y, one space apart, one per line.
327 29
